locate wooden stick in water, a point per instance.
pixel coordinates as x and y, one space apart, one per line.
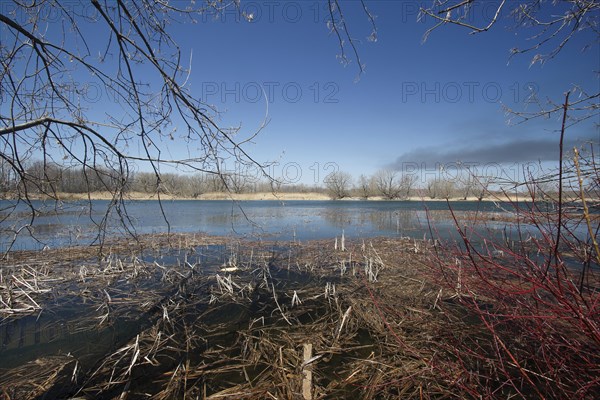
307 372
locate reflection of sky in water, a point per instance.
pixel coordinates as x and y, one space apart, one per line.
274 220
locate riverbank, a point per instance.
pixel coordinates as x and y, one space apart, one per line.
292 196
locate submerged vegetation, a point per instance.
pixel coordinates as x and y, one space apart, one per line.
208 318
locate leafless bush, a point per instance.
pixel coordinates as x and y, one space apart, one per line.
533 298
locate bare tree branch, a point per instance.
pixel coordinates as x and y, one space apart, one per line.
126 50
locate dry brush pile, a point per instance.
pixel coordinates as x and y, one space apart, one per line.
314 320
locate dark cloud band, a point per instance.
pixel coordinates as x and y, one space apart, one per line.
518 151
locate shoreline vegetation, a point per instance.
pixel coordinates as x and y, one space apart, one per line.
258 196
52 181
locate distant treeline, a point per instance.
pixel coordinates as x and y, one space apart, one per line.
48 178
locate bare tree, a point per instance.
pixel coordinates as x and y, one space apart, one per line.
407 183
365 187
560 20
467 184
441 188
8 181
125 52
197 185
432 189
338 26
540 257
338 184
387 184
215 183
58 58
236 182
46 177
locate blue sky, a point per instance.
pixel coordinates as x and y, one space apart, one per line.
440 100
420 103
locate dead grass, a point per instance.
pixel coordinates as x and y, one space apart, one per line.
236 327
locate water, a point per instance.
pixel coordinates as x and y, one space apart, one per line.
74 223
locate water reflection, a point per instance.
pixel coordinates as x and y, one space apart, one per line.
402 221
338 218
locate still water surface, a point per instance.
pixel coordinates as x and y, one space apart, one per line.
74 223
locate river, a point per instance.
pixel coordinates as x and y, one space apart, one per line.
76 223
